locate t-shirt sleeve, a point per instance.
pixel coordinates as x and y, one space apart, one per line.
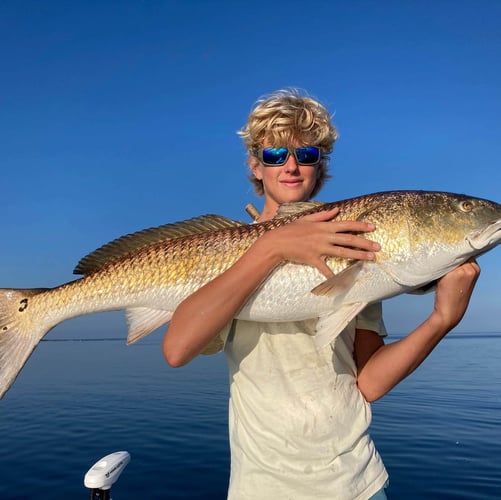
371 318
217 344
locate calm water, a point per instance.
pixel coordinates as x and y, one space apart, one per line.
439 432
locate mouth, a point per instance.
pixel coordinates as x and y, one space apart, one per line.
292 182
486 237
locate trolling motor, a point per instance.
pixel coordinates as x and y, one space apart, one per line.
104 473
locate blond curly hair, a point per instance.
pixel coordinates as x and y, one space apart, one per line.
284 117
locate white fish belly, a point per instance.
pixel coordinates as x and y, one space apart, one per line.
287 294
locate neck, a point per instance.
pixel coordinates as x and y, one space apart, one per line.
268 213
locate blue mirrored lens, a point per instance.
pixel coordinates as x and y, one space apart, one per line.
275 156
308 155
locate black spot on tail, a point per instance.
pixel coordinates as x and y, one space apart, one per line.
23 305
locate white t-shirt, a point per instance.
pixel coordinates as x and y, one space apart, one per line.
298 423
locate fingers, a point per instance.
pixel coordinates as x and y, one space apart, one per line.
341 252
339 226
465 276
324 215
324 268
473 265
314 238
353 242
461 280
454 291
344 244
342 236
353 226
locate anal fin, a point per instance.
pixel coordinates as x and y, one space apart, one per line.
143 320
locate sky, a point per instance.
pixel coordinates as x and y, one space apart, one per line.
121 115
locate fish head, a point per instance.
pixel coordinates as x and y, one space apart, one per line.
425 234
465 225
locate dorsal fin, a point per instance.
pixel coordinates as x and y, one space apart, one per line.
288 209
147 237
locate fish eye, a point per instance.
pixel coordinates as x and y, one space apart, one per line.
466 206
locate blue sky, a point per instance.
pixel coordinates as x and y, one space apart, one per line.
121 115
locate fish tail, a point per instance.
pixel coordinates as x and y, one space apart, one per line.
20 332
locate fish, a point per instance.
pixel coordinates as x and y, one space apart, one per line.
423 235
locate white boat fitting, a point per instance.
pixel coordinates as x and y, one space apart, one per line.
104 473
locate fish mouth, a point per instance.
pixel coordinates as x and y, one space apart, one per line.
486 237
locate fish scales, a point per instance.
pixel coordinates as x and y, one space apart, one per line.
140 278
423 235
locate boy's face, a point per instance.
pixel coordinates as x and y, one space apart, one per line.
286 183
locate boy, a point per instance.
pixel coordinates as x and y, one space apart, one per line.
299 417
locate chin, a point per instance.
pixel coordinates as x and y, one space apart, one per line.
295 197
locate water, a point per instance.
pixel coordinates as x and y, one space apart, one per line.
76 401
439 430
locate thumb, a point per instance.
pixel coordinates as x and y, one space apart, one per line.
324 268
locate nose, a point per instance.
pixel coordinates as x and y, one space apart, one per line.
291 164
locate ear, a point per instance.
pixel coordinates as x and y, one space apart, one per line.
256 168
319 172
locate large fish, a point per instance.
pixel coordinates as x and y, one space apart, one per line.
423 235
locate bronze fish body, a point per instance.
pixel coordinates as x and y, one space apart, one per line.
423 235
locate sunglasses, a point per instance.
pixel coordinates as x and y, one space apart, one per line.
275 157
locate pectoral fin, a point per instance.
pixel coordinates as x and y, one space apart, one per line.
142 321
340 283
331 325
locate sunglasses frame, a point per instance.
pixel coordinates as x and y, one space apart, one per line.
259 154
